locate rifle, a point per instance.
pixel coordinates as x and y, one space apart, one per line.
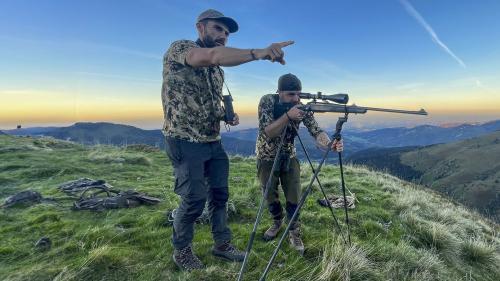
340 105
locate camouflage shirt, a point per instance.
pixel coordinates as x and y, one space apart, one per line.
191 96
266 147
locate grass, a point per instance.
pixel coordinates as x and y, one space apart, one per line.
399 231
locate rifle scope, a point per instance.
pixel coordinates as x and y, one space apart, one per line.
337 98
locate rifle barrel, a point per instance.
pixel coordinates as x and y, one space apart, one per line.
331 107
418 112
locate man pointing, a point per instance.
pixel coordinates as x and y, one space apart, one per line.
191 96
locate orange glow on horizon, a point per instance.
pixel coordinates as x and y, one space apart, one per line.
38 107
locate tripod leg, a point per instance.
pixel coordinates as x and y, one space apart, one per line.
320 186
261 207
345 199
301 203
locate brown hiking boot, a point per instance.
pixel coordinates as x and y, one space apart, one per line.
272 232
185 259
295 241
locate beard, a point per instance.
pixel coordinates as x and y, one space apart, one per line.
210 42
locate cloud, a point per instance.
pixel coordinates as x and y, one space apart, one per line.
409 8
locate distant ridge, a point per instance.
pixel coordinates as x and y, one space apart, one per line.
425 134
242 142
98 133
400 136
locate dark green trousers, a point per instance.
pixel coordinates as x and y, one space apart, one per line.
290 183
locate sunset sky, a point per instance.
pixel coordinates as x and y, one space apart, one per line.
63 62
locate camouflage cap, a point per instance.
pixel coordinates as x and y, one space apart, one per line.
289 82
216 15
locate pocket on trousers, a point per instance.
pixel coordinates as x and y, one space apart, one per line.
174 151
181 182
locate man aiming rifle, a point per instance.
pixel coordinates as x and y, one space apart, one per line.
278 112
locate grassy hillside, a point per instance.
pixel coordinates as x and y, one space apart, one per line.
399 231
468 171
386 159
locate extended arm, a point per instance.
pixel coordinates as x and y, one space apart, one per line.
227 56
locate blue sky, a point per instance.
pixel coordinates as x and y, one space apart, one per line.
69 61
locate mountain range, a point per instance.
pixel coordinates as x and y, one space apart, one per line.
242 142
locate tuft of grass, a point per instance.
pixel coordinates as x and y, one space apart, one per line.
431 235
341 262
18 148
138 160
479 253
119 157
48 142
142 148
405 262
237 158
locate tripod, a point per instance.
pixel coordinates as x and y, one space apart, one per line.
337 136
302 200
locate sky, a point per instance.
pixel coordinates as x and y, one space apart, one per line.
63 62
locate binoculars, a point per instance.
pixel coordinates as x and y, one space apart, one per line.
228 108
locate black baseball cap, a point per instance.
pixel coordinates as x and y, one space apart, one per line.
289 82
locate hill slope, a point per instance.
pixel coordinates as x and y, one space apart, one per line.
399 231
467 171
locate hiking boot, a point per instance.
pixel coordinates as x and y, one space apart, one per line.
227 251
272 232
185 259
295 241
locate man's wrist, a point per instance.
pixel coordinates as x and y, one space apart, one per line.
257 53
252 53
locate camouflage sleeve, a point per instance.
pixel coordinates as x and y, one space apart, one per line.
312 125
265 112
179 50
